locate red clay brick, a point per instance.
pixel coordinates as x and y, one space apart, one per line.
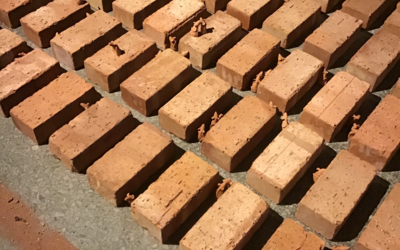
275 172
333 38
258 51
368 11
291 21
10 46
85 38
149 88
291 235
170 200
25 76
42 25
124 168
208 48
216 5
334 104
195 105
290 81
328 5
392 23
40 115
229 223
173 20
133 13
113 64
11 11
330 201
378 139
91 134
104 5
396 89
252 12
238 132
382 232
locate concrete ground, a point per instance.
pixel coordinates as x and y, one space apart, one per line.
65 201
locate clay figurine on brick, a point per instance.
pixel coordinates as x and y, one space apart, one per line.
285 120
129 198
199 28
280 59
222 187
173 43
318 174
353 131
201 132
116 48
215 119
257 81
85 105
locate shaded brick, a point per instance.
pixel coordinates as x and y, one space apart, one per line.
104 5
392 23
10 46
216 5
328 5
11 11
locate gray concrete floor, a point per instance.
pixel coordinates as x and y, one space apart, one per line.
65 201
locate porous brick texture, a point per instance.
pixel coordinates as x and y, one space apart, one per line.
195 105
42 25
330 201
10 46
275 172
208 48
25 76
104 5
229 223
170 200
396 89
334 105
91 134
113 64
392 23
74 45
378 139
238 132
329 5
290 81
124 168
216 5
40 115
257 51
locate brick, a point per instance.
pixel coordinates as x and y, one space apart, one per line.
378 139
392 23
10 46
382 232
149 88
40 115
173 20
170 200
373 62
275 172
124 168
229 223
42 25
25 76
195 105
252 12
238 132
11 11
104 5
133 13
74 45
208 48
331 200
258 51
91 134
292 21
328 5
110 66
396 89
216 5
333 38
291 235
334 105
290 81
367 11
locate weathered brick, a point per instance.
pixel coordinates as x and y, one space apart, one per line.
229 223
238 132
104 5
149 88
257 51
43 24
40 115
170 200
330 201
85 38
392 23
10 46
216 5
113 64
11 11
124 168
25 76
290 81
396 89
275 172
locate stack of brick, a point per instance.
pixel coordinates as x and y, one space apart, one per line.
10 46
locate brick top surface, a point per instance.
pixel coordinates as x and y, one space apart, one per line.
248 7
174 189
362 6
132 43
23 70
48 101
8 40
86 31
133 6
196 98
250 50
9 5
245 119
